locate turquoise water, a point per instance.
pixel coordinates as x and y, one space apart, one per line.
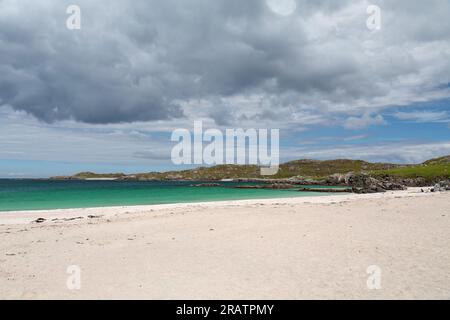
46 194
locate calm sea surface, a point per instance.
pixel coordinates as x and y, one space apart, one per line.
46 194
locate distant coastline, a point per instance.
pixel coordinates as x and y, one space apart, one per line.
325 172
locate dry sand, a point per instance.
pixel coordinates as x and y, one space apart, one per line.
302 248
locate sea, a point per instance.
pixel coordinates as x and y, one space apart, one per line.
23 194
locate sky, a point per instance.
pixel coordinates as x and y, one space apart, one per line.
106 97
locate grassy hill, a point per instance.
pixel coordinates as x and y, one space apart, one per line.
204 173
91 175
311 169
430 170
442 160
319 169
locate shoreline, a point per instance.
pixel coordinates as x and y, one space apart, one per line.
27 216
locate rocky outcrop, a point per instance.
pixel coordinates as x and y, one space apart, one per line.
326 190
364 183
389 181
441 186
357 183
408 182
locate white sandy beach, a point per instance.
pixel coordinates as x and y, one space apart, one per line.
295 248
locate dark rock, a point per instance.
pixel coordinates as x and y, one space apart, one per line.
442 186
72 219
364 183
206 185
39 220
248 187
94 217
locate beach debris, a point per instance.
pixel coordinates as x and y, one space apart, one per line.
71 219
39 220
94 217
67 219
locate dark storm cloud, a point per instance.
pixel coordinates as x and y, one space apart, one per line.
144 60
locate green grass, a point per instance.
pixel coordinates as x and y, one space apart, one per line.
428 172
320 169
441 160
91 175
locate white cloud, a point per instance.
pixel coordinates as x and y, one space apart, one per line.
22 137
404 152
321 60
282 7
355 123
423 116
